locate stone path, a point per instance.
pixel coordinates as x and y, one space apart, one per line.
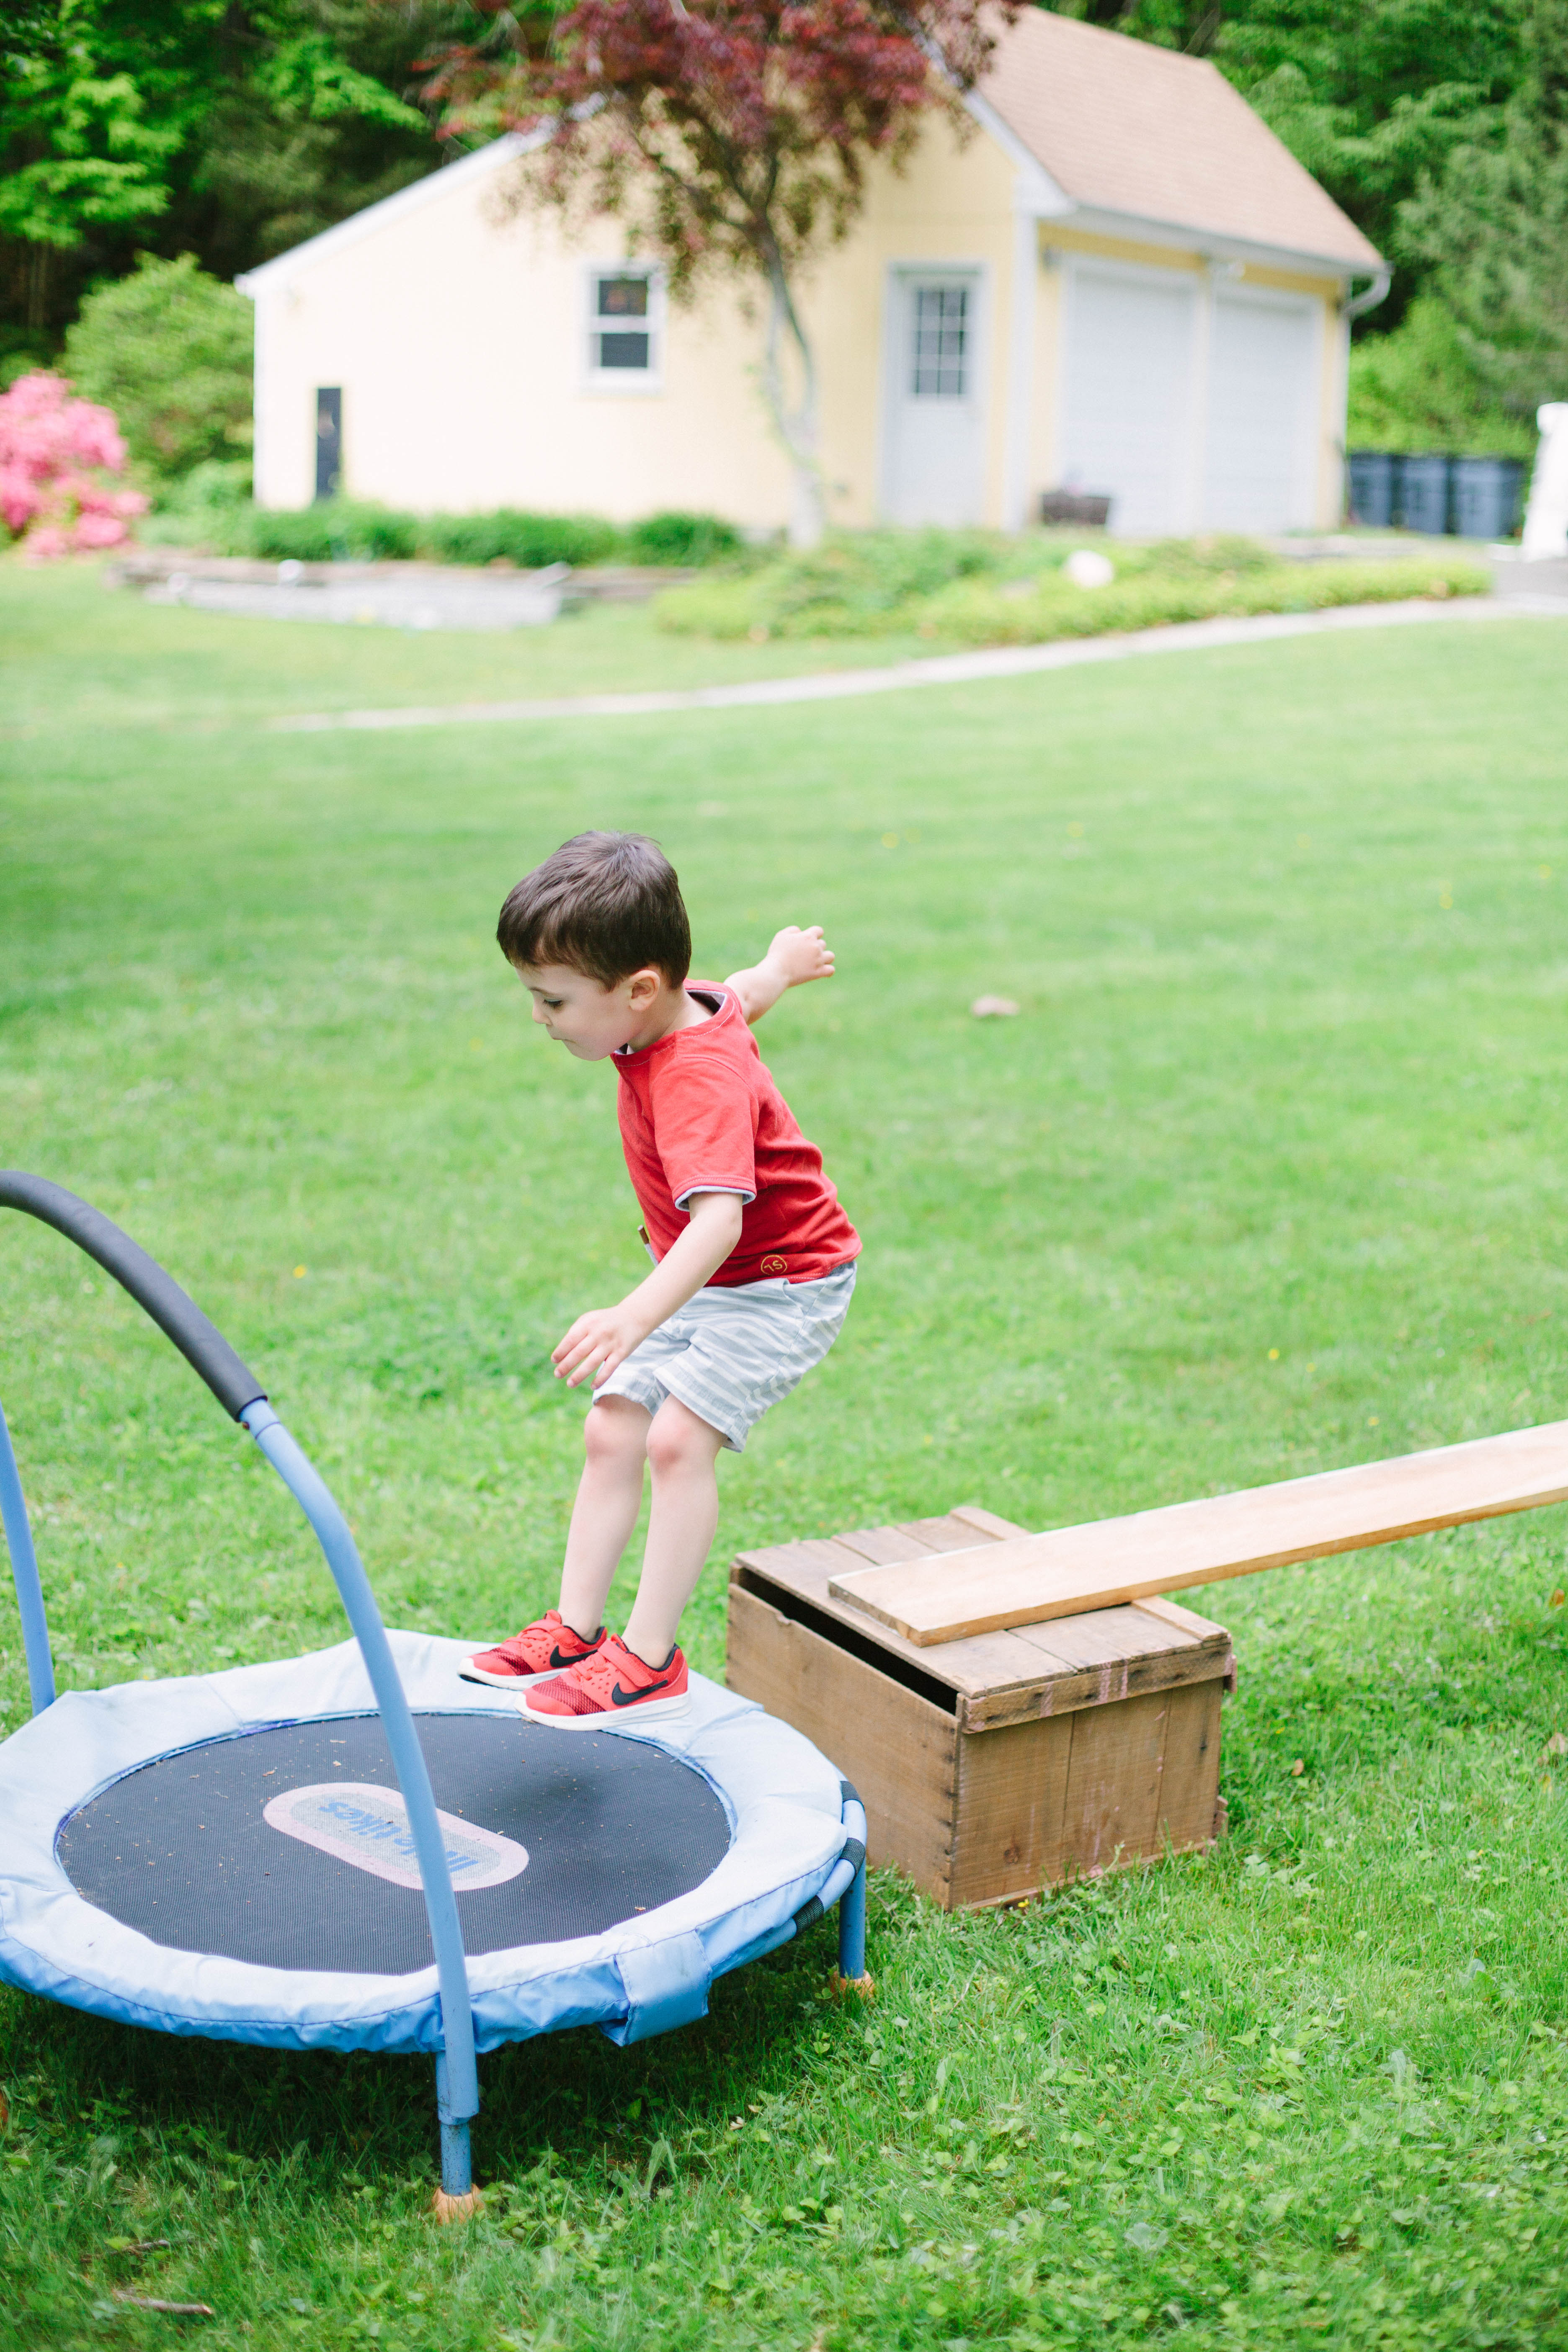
942 669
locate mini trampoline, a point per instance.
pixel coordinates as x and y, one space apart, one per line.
356 1849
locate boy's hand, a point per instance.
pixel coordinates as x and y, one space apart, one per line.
794 956
800 955
603 1338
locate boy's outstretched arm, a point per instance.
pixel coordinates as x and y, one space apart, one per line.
794 957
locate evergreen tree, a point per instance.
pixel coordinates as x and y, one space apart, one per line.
1492 228
229 128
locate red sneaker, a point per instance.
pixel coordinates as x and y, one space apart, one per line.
612 1684
541 1648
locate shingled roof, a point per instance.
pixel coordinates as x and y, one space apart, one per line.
1125 127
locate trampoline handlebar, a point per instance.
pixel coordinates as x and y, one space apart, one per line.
179 1318
459 2075
241 1394
25 1572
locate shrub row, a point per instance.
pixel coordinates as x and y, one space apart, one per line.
1007 592
978 615
351 531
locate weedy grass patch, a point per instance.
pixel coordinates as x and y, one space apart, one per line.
1267 1176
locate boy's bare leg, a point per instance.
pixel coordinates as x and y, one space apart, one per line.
682 1451
609 1496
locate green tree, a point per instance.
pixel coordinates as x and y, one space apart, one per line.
1492 229
1422 387
80 148
169 349
229 128
95 105
309 119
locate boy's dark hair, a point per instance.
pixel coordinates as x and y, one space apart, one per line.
607 904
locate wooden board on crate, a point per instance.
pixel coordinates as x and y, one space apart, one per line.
1001 1762
1000 1590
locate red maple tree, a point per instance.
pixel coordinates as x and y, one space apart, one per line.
733 136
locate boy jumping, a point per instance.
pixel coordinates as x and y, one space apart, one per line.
753 1259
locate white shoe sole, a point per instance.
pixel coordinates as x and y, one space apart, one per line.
645 1710
472 1674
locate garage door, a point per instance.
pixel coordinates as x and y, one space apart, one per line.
1127 396
1260 446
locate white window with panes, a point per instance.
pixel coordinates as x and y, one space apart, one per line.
941 362
625 327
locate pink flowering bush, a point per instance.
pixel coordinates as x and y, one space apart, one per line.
52 450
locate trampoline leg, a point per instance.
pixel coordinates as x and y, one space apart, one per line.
852 1976
25 1568
456 2198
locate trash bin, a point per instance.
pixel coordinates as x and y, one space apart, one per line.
1374 481
1485 496
1424 494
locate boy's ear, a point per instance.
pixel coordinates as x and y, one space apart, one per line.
644 986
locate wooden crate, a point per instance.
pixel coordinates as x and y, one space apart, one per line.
994 1766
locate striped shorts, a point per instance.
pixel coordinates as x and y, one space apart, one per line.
729 1354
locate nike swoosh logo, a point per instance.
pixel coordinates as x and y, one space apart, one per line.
649 1690
557 1658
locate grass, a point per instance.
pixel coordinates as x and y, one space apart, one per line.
1268 1176
206 670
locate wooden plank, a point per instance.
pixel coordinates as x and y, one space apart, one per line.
896 1747
1032 1580
1011 1796
989 1662
1113 1785
1107 1636
1189 1770
881 1544
1186 1620
1097 1686
996 1678
986 1523
950 1532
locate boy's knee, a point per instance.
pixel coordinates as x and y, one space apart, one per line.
679 1440
615 1430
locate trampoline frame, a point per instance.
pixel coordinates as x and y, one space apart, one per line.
241 1394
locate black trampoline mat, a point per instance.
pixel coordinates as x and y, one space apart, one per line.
179 1849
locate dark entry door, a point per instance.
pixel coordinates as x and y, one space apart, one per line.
328 440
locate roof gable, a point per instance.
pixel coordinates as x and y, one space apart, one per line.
1123 127
433 188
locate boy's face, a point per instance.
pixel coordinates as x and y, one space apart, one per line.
589 1020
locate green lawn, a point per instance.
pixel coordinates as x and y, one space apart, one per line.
1269 1176
172 667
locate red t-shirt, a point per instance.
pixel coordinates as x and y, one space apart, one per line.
700 1113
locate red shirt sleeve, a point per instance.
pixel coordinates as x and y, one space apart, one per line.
704 1127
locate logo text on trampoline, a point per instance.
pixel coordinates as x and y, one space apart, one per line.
361 1823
